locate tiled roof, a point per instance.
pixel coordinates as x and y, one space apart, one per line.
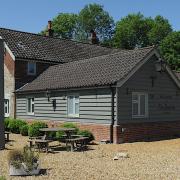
99 71
38 47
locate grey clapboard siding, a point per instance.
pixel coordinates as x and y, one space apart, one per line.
95 107
141 81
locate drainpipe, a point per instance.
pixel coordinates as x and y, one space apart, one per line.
112 114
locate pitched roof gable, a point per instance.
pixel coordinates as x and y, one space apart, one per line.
37 47
98 71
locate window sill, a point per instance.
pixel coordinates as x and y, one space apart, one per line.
73 116
30 114
135 117
31 74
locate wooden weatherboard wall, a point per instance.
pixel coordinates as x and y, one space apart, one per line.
2 138
163 95
95 106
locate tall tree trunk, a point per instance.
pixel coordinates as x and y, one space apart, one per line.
2 137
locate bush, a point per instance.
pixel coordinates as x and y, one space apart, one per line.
66 125
86 133
33 130
14 125
6 123
2 178
27 156
24 130
59 134
70 125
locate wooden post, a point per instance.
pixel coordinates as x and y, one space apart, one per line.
2 135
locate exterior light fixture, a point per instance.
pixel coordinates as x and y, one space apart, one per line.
160 65
48 94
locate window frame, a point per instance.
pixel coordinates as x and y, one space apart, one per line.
31 103
139 105
74 105
28 68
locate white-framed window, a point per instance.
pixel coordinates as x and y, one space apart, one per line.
31 69
139 105
30 106
6 107
73 106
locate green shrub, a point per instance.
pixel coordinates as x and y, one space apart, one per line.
86 133
24 130
33 130
66 125
14 125
6 123
70 125
2 178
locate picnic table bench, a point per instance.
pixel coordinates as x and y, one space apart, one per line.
77 143
7 135
40 144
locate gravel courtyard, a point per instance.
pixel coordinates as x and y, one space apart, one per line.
147 160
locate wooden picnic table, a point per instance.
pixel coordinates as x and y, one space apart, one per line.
75 142
67 131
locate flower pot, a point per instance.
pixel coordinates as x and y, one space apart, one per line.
23 170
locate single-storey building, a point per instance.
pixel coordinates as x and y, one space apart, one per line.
123 97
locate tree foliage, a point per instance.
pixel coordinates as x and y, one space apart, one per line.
94 17
135 30
170 49
78 26
64 25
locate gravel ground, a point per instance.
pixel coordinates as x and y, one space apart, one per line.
147 160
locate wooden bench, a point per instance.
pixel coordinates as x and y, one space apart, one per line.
7 135
77 143
40 144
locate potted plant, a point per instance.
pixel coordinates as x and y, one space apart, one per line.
23 163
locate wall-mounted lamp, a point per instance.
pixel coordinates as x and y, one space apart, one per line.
160 65
53 101
48 94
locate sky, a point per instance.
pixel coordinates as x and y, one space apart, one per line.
32 15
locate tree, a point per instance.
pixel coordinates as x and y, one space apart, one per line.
64 25
135 30
160 29
78 26
94 17
170 49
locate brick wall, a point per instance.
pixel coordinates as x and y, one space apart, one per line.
147 131
129 132
21 75
99 131
9 82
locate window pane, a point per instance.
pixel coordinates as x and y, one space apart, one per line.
135 97
31 68
135 109
142 105
29 105
70 105
32 108
76 108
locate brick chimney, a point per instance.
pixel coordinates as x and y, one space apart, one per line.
94 38
50 32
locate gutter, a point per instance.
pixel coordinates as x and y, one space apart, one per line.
112 114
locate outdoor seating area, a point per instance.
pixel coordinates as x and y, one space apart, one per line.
70 139
160 160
